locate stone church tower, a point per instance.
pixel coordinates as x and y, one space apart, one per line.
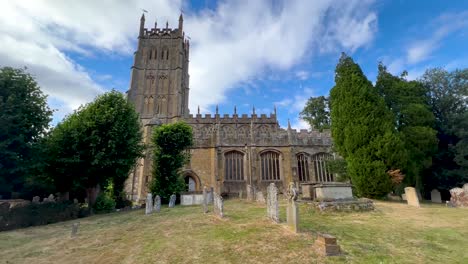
159 85
231 152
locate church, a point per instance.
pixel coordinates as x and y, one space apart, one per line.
230 151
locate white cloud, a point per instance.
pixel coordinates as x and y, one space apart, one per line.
302 75
231 44
441 27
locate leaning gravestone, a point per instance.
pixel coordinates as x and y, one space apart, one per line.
205 200
149 204
435 196
157 204
272 203
412 197
292 213
218 205
172 201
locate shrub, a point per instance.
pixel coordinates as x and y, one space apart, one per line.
104 204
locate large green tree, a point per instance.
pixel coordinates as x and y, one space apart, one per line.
448 99
96 146
410 103
24 118
363 131
170 144
316 113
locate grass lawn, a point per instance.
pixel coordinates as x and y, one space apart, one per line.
394 233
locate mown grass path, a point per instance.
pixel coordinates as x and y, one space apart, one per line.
394 233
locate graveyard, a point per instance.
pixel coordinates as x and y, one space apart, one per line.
393 233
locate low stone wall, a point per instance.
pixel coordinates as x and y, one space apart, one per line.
192 199
345 205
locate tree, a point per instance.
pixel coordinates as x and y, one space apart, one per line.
363 131
24 118
316 113
96 146
170 144
448 93
414 121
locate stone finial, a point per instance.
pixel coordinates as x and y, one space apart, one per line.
155 24
289 125
167 24
235 110
274 109
142 24
198 110
253 110
217 109
181 21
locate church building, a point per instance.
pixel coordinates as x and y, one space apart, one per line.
230 151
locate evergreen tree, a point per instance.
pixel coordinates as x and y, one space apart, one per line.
448 99
316 113
363 131
24 118
170 144
410 103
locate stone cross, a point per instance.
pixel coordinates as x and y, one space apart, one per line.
74 231
412 197
157 204
205 199
292 212
149 204
272 203
172 201
435 196
218 205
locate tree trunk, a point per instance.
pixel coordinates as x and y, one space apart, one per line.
92 194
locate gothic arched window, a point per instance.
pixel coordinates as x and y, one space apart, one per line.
303 167
270 166
234 166
322 173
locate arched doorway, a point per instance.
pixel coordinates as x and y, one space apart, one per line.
192 182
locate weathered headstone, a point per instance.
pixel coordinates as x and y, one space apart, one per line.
403 197
272 203
218 205
259 197
75 201
241 194
36 199
74 231
435 196
205 200
459 196
172 201
326 245
149 204
250 193
292 213
157 204
211 196
412 197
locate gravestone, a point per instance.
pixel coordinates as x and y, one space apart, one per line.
259 197
435 196
250 193
75 201
292 213
74 231
149 204
272 203
326 245
459 196
241 194
218 205
403 197
412 197
172 201
157 204
36 199
205 200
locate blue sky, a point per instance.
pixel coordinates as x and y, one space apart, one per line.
243 53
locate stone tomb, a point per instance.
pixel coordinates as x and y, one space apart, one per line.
191 199
157 204
172 201
149 204
272 203
333 191
435 196
326 245
218 205
412 197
